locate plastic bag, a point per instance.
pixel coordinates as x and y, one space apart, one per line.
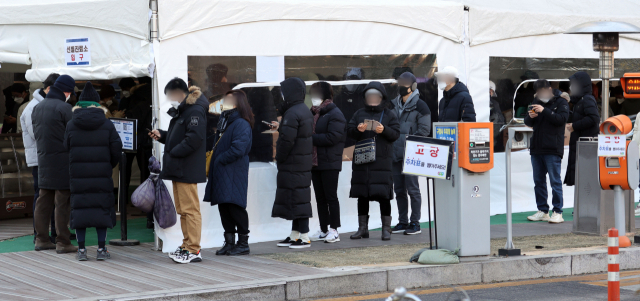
164 210
439 257
144 196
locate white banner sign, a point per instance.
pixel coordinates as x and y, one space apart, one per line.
612 145
425 159
77 52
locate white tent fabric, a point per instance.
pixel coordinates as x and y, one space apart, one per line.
33 32
438 17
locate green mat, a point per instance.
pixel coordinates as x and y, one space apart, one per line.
136 229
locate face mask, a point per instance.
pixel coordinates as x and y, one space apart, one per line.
18 100
227 107
109 102
351 88
545 100
442 86
575 90
403 91
126 93
174 104
620 100
316 101
68 96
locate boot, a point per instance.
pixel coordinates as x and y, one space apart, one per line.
242 247
363 228
47 245
61 248
386 228
229 243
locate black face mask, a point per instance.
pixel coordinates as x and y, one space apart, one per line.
403 91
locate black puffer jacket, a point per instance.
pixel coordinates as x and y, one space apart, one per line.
50 118
415 119
456 105
548 127
184 157
94 150
585 120
329 138
294 150
374 180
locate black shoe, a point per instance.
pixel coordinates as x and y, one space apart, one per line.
229 243
363 228
414 228
242 247
386 227
400 228
299 244
285 243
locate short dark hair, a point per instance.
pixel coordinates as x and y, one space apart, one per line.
107 91
18 88
176 84
322 88
51 79
127 83
242 105
541 84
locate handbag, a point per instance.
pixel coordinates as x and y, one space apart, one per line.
210 154
365 150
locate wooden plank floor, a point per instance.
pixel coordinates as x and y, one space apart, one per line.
13 228
46 275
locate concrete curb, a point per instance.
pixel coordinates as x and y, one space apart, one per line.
376 280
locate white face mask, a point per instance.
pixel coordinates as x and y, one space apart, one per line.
442 85
174 104
126 93
18 100
68 96
227 107
109 102
316 101
545 100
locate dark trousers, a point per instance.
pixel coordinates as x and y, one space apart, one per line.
363 206
325 185
543 165
81 233
34 173
301 225
44 206
403 184
234 218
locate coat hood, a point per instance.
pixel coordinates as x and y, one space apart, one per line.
411 103
584 80
457 88
293 90
378 86
195 97
88 118
37 96
56 93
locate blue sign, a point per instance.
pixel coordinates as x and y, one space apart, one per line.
446 133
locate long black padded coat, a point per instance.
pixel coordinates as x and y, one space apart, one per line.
94 150
374 180
329 138
294 150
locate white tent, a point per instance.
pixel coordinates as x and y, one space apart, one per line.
33 32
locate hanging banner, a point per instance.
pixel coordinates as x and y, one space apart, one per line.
428 157
78 52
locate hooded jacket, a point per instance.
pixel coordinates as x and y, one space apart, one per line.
329 138
49 120
415 119
456 105
374 181
548 127
184 157
294 150
26 124
94 150
585 120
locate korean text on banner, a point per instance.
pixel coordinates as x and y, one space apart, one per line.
427 157
78 52
446 133
612 145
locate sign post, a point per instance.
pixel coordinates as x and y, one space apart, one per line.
127 129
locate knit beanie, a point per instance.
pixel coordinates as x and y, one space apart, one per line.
89 94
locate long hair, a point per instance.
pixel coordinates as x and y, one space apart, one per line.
242 105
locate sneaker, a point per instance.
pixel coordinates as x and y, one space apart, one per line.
414 228
556 218
299 244
285 243
637 211
82 255
319 236
539 216
175 253
188 257
400 228
103 254
332 236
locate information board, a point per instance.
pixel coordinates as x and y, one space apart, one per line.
428 157
77 52
612 145
127 129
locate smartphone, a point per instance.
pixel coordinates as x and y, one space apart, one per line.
148 130
530 108
267 123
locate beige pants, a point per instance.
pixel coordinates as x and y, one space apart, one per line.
188 207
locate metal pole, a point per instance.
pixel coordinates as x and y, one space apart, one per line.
435 215
606 72
429 180
122 197
507 155
618 208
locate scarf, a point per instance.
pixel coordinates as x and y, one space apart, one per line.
224 120
316 116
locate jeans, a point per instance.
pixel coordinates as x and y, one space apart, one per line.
325 185
543 165
34 173
234 218
403 184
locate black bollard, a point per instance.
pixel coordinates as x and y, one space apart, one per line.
122 200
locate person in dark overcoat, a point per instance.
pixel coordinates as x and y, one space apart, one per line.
374 181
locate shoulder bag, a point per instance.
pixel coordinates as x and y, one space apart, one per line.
365 151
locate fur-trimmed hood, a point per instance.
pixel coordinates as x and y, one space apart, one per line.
194 94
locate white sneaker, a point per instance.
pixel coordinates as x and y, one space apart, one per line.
539 216
333 236
175 253
638 211
318 236
187 257
556 218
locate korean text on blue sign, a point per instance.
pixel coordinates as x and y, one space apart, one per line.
446 133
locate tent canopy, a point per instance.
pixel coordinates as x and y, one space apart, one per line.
442 18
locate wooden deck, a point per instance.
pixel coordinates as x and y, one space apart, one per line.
13 228
46 275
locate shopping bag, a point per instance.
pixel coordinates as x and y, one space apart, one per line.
164 210
144 196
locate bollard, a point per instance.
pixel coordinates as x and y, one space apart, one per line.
613 285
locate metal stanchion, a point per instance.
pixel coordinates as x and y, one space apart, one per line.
122 201
429 180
